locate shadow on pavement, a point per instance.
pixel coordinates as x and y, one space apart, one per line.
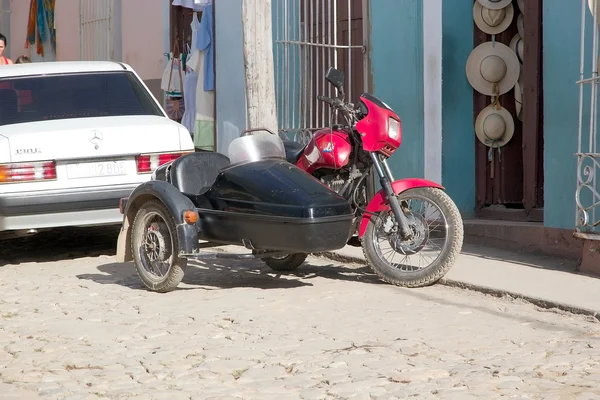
227 274
60 244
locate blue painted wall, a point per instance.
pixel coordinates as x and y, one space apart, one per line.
230 85
561 109
458 135
397 67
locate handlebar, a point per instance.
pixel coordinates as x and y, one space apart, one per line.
328 100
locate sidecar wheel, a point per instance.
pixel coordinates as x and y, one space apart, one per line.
153 243
287 263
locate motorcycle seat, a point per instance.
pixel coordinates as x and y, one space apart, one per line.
293 150
193 174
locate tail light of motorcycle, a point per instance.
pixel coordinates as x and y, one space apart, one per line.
28 172
147 163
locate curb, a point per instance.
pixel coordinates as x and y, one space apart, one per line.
539 302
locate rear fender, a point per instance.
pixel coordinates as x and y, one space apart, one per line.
175 202
379 202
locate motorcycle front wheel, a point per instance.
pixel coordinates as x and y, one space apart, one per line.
436 242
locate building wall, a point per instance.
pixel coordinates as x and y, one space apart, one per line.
561 108
396 53
19 14
135 45
458 146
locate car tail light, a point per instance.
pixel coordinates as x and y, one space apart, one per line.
27 172
147 163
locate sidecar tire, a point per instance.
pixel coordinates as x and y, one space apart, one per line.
288 263
176 271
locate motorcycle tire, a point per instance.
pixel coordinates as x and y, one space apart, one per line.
436 270
287 263
177 265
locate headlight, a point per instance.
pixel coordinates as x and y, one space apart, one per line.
394 129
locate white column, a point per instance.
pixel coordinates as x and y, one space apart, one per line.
432 89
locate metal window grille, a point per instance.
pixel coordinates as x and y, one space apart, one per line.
96 30
307 42
587 197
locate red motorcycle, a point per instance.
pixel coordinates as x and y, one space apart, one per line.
414 218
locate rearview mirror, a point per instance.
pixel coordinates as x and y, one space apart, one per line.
335 77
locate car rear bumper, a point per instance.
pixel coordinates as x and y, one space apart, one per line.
48 209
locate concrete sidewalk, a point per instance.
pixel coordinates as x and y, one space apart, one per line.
546 281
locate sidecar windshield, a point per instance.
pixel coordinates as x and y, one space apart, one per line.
255 147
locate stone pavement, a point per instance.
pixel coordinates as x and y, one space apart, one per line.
545 281
82 327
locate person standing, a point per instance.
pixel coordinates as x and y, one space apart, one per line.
3 44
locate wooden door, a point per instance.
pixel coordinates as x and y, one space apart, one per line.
517 179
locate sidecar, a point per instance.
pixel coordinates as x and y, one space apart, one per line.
253 198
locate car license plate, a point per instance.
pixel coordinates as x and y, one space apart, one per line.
96 169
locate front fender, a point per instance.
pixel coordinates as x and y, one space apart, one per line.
174 201
379 202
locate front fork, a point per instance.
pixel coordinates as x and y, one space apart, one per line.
386 179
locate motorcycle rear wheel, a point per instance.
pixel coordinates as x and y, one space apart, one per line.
416 277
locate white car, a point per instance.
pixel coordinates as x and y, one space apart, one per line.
75 137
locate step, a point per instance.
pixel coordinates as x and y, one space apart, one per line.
523 237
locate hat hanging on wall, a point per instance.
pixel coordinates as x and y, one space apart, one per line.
520 25
516 45
494 4
591 6
492 21
521 5
519 100
494 126
492 68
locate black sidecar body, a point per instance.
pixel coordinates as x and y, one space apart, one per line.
268 206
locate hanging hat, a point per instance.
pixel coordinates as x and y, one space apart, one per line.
494 126
519 100
492 64
492 21
516 45
494 4
591 5
520 25
521 5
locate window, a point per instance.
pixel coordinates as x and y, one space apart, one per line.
96 30
67 96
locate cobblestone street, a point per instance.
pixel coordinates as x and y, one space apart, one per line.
81 326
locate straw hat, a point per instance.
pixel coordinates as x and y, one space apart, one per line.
494 4
493 21
521 4
591 6
492 64
494 126
519 100
520 25
516 45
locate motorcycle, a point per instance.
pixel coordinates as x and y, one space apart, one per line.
343 158
252 198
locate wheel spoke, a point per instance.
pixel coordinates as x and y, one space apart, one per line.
430 235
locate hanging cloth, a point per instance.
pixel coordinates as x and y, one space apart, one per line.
190 81
205 43
41 24
196 5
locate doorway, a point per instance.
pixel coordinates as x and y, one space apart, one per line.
510 184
